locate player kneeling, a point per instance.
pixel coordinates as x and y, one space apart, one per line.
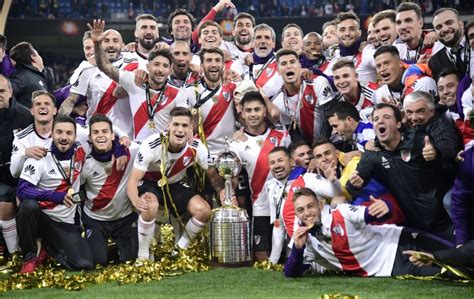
160 166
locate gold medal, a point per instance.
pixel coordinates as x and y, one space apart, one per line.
163 181
151 124
70 191
276 223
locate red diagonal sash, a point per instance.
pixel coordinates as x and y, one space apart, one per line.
288 208
260 173
110 186
108 100
341 246
309 102
186 160
266 74
218 110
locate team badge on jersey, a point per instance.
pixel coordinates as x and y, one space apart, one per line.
338 230
274 141
164 99
215 99
186 160
309 98
406 155
260 142
226 96
78 166
108 169
269 71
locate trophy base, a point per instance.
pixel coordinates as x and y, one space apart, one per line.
218 265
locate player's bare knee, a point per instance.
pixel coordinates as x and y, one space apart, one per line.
199 208
7 211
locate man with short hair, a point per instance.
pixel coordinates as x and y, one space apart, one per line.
399 79
402 166
301 103
102 92
385 29
49 193
300 153
313 57
107 212
263 69
330 40
253 147
453 52
448 82
410 42
340 238
147 36
242 32
13 118
30 73
150 104
346 122
163 159
292 38
351 90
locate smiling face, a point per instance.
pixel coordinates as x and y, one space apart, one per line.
213 67
341 127
292 39
43 109
307 210
181 27
159 69
447 88
243 31
389 68
312 46
146 33
210 37
345 79
279 164
64 136
101 136
325 154
448 28
254 113
88 48
408 25
289 68
112 45
385 32
418 113
348 31
263 43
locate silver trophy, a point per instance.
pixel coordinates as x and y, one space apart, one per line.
229 226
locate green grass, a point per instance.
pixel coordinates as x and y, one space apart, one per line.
254 283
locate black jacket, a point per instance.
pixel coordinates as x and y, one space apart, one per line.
27 79
442 61
13 118
458 257
414 182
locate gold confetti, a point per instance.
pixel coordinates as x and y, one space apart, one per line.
339 296
267 265
168 262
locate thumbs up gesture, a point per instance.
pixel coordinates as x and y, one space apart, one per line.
429 152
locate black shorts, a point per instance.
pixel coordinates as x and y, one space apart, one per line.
262 233
180 192
7 193
123 232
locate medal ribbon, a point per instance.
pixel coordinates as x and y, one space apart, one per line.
151 108
69 179
254 79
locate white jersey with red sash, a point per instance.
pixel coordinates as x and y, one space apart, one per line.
266 77
106 187
217 111
350 245
136 57
412 55
150 155
320 186
302 109
191 78
45 174
357 59
254 151
366 99
99 88
384 94
157 104
236 51
231 64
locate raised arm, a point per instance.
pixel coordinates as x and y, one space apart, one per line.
98 35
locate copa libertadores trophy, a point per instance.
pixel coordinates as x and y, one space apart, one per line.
229 240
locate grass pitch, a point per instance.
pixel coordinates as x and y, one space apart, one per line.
255 283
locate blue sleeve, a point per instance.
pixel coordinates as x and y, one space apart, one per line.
294 266
119 149
27 190
369 218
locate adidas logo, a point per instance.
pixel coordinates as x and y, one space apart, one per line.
95 173
247 148
30 169
52 171
140 157
385 163
14 149
98 76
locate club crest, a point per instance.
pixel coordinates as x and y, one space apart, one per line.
108 169
274 141
164 99
406 155
226 96
268 71
309 98
186 160
338 230
215 99
78 166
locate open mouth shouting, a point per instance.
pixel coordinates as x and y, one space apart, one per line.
290 75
